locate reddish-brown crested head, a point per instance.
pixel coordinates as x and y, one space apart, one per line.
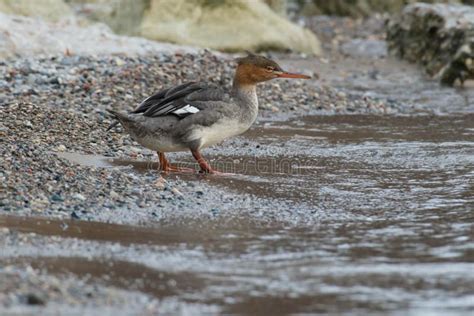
253 69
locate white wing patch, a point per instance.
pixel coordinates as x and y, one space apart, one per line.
188 109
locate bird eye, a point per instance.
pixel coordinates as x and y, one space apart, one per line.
270 68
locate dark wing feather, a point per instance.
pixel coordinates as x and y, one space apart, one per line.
159 96
145 105
172 101
195 94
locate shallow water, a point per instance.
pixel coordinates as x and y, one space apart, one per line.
382 220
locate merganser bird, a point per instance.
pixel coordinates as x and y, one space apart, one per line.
195 115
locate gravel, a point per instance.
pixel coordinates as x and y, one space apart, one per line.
24 288
92 84
36 277
54 106
58 104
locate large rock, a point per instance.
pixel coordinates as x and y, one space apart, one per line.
440 37
225 25
123 16
279 6
228 25
51 10
34 36
362 7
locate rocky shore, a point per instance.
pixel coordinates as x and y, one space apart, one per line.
24 289
88 83
357 177
439 37
58 104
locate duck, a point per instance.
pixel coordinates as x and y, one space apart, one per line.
195 115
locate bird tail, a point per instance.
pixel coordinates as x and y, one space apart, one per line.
121 118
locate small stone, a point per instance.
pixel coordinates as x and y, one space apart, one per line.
38 205
55 80
75 215
4 230
177 192
114 195
341 95
160 183
137 191
78 196
119 62
57 198
468 62
61 148
106 100
35 299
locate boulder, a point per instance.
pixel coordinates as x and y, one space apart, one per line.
227 25
359 8
439 37
279 6
122 16
51 10
34 37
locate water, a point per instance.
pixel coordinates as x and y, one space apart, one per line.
381 220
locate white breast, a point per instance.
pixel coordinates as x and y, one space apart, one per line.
218 132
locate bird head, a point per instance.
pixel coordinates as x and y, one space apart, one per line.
253 69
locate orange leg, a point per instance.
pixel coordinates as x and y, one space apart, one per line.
165 166
205 167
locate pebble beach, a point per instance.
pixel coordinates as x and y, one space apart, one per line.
345 183
58 104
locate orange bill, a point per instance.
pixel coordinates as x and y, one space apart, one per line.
293 75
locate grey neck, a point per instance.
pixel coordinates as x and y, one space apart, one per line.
245 95
246 98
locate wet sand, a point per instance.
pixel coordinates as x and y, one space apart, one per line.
366 214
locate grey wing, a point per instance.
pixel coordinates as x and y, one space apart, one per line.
183 101
163 95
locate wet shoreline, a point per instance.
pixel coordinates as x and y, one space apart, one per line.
377 219
352 193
